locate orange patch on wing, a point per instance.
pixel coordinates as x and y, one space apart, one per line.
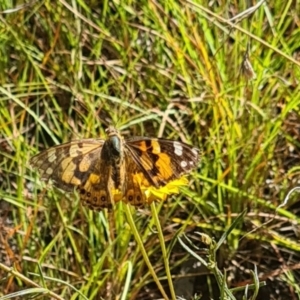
68 167
143 147
68 164
74 180
94 178
155 147
85 164
154 144
70 178
164 166
140 179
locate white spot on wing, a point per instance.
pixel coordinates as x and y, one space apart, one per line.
183 164
195 151
49 171
177 148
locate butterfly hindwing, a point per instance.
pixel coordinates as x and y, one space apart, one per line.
96 191
107 180
133 180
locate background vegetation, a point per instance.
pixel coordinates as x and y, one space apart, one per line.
176 69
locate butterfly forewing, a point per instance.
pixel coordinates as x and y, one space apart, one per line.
162 160
70 164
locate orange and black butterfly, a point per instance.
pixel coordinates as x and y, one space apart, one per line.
116 168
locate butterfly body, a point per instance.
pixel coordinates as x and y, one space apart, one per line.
105 171
112 156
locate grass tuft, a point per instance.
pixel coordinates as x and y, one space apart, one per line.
174 69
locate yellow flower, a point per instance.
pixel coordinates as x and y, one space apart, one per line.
161 193
152 193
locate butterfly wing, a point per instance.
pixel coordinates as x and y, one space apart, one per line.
162 160
71 164
143 162
133 179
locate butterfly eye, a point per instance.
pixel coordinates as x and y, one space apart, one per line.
115 143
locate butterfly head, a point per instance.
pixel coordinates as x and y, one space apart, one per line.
111 131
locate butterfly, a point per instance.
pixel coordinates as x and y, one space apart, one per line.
106 171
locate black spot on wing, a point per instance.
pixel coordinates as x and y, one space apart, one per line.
83 176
